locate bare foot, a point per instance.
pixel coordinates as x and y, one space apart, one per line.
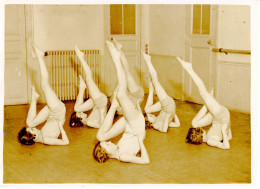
79 53
118 45
38 52
147 57
82 84
185 65
35 95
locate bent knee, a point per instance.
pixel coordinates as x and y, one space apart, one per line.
194 123
147 109
76 109
92 123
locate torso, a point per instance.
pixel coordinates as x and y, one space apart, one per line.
51 129
215 131
129 143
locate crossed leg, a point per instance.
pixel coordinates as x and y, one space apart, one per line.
80 105
107 129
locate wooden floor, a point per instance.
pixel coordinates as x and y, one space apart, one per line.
171 159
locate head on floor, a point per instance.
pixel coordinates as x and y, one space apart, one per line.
100 154
26 137
194 136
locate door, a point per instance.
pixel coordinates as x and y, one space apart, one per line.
123 24
15 56
199 41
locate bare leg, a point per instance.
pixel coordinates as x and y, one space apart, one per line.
202 118
33 120
150 107
131 84
209 100
92 87
80 105
51 98
106 130
158 88
130 112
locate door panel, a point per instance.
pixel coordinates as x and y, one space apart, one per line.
15 56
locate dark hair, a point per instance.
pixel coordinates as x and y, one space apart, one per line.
194 136
25 137
100 153
75 121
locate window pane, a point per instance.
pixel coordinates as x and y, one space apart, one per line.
116 19
205 19
196 19
129 19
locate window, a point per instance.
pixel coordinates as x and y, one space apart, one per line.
122 19
201 19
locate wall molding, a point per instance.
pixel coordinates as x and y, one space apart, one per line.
233 63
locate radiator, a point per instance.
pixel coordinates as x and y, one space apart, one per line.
65 68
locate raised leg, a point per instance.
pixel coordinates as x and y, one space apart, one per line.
130 112
51 98
92 87
131 83
209 100
158 88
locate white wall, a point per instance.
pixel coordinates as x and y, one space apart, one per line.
60 27
234 70
167 24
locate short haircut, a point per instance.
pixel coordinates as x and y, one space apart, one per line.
194 136
25 137
75 121
100 153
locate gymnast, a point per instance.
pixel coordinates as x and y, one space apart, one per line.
165 105
97 101
54 112
132 124
212 112
135 92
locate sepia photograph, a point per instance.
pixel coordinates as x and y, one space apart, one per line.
86 83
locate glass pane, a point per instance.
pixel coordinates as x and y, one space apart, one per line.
205 19
116 19
129 19
196 19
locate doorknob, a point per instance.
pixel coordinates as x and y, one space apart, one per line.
210 42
